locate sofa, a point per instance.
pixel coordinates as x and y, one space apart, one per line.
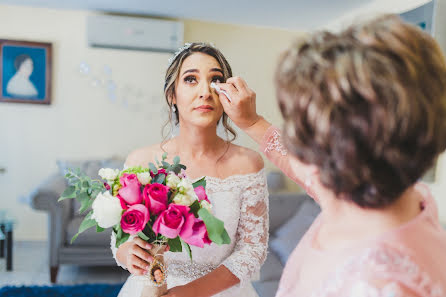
290 216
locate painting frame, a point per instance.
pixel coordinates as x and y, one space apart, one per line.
33 83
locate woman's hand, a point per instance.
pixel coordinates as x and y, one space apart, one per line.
181 291
136 256
242 108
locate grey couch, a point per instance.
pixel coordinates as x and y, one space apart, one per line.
290 216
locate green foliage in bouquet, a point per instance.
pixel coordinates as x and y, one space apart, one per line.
83 189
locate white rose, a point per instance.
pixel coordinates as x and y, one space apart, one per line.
185 186
108 173
183 199
172 180
106 210
206 205
191 193
144 177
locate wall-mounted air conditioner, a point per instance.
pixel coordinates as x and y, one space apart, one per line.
135 33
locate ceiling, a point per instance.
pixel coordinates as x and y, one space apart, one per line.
287 14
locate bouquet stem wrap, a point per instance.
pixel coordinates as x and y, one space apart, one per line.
155 283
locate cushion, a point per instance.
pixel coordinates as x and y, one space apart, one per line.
282 207
272 268
267 288
87 238
289 234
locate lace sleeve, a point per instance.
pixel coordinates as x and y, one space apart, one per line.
252 231
274 149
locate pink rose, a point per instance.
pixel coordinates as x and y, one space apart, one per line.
195 233
160 171
135 219
130 191
201 194
171 221
155 196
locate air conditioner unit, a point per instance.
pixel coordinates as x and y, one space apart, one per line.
135 33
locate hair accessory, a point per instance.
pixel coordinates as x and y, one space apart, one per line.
179 51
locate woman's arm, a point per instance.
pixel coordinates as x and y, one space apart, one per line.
242 111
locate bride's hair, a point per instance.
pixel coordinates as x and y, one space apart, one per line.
173 72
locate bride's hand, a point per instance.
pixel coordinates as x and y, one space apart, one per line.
138 258
242 108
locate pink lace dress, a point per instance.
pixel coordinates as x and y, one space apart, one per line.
407 261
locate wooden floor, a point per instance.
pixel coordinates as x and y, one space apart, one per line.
30 267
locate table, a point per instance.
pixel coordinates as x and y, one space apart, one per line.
6 228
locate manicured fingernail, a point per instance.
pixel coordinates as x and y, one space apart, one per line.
147 267
149 246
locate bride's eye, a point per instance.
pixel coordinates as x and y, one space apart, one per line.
190 79
218 79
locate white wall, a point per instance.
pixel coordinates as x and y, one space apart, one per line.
78 124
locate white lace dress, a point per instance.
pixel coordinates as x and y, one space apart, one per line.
241 202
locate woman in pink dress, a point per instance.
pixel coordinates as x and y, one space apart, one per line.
364 118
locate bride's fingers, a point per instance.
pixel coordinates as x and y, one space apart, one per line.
143 244
138 262
141 253
137 271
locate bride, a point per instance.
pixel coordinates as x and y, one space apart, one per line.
236 186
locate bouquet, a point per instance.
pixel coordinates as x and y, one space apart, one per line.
159 204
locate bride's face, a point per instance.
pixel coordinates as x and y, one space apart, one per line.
197 102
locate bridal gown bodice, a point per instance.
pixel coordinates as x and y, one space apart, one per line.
241 202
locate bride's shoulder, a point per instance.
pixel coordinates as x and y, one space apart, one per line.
245 159
142 156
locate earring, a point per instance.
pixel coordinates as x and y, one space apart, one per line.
174 109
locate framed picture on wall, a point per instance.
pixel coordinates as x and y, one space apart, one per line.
25 72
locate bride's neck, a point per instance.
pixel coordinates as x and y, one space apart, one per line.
196 142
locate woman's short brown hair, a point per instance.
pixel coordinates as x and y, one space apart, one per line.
367 106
